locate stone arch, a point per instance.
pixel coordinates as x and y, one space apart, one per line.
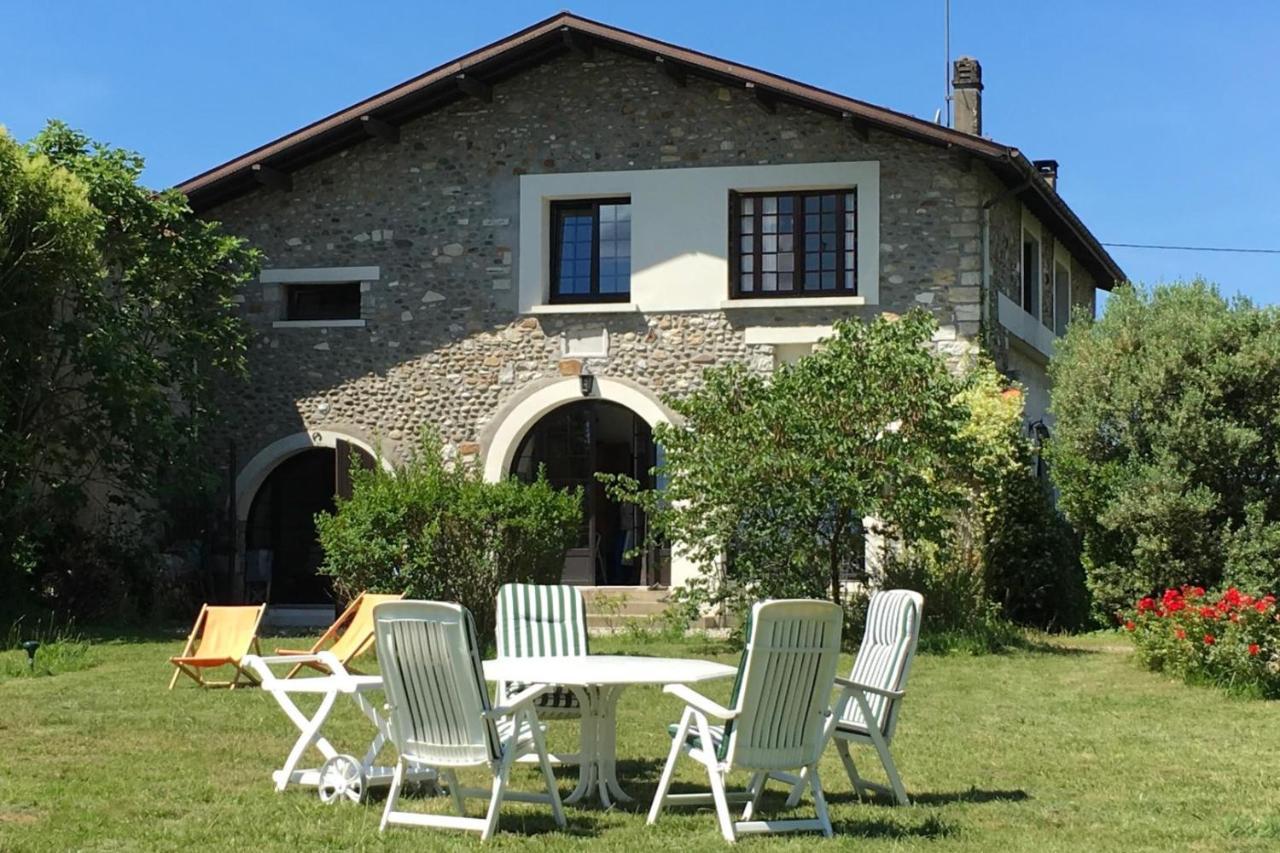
501 438
257 469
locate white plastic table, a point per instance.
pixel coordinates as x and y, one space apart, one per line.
599 680
341 775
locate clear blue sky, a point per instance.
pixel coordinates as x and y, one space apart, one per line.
1164 115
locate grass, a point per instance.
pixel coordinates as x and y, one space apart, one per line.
62 649
1067 746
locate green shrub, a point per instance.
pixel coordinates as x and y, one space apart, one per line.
1230 640
438 531
1166 450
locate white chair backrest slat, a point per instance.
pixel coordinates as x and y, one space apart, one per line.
885 656
788 672
435 684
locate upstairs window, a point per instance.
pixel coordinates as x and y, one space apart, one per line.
327 301
794 244
591 250
1031 274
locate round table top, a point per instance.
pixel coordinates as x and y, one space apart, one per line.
589 670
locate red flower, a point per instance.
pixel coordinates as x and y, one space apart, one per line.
1197 591
1209 639
1261 606
1147 603
1208 613
1253 650
1180 634
1130 625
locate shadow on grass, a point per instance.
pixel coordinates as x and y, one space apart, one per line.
973 795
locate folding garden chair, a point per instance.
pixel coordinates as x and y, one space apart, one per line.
867 709
441 717
222 636
776 720
350 636
543 620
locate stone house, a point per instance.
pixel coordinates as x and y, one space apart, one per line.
528 247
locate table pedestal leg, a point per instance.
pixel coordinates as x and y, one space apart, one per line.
598 754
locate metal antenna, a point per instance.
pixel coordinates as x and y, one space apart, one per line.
946 69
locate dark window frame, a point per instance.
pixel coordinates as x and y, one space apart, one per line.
301 314
559 208
798 250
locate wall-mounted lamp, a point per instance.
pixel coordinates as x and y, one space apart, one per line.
586 381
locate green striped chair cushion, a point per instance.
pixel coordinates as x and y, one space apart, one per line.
543 620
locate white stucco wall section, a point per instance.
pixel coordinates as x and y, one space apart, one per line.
680 228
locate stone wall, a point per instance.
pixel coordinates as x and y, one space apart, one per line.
443 344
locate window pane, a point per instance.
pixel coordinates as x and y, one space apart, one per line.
828 242
811 280
848 221
747 225
769 263
786 224
748 263
828 281
850 201
769 281
784 281
746 244
786 204
811 204
828 203
608 213
747 205
769 224
786 262
608 249
811 221
828 260
770 204
785 242
746 283
323 301
769 243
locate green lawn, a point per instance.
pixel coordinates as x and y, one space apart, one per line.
1071 748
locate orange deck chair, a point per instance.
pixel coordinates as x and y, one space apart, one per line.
350 636
224 636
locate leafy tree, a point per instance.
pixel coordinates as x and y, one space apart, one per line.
1165 451
441 532
778 473
116 322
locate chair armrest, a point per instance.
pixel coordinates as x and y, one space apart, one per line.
520 700
261 664
293 652
867 688
698 702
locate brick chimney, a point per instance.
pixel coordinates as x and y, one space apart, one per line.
966 95
1048 170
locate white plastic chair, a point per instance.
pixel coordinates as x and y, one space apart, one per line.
440 714
867 710
777 719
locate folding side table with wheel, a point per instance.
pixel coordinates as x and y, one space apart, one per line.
341 776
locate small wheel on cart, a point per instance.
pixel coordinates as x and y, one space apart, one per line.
341 777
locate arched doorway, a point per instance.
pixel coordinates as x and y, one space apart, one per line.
574 442
282 553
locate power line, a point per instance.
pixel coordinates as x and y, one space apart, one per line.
1195 248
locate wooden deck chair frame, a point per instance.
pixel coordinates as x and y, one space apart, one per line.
440 715
191 662
358 617
874 691
777 721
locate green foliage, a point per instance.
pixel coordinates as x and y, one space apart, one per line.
116 322
778 473
1166 446
441 532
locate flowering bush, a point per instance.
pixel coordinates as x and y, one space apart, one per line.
1230 639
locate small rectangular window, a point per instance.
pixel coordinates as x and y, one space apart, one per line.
591 250
794 244
1061 297
1031 282
328 301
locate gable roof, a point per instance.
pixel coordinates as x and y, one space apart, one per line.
565 32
